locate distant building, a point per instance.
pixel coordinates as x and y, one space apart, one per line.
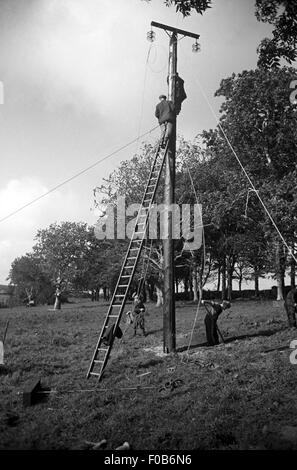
6 293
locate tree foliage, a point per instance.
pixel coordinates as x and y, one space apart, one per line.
260 121
30 280
187 6
61 249
282 14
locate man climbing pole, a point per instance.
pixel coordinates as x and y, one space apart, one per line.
211 319
290 307
180 94
165 113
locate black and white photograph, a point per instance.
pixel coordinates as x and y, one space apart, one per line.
148 229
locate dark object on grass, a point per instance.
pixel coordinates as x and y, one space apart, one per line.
171 385
290 307
110 334
11 418
34 393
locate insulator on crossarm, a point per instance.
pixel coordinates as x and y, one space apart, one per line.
196 47
151 36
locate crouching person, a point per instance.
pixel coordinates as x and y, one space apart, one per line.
214 309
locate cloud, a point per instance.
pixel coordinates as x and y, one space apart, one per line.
68 52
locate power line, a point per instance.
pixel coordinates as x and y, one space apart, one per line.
76 175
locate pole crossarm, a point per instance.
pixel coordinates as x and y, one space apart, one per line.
175 30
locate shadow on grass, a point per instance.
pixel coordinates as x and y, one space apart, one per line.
281 348
150 363
235 338
152 332
255 335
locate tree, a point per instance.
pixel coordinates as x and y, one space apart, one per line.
61 249
262 127
282 204
282 14
31 281
260 121
103 262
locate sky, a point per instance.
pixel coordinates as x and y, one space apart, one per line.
80 80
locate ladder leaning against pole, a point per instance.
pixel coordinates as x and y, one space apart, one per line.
120 294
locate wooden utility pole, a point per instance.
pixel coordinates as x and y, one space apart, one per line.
169 337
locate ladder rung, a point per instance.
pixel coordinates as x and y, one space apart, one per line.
115 305
123 285
132 257
102 349
95 373
96 361
119 295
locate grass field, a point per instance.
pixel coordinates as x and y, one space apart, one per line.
238 395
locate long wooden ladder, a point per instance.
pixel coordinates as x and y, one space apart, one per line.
120 294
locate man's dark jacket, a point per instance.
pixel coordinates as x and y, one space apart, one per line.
165 111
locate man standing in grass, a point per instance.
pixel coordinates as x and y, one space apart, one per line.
138 314
211 318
